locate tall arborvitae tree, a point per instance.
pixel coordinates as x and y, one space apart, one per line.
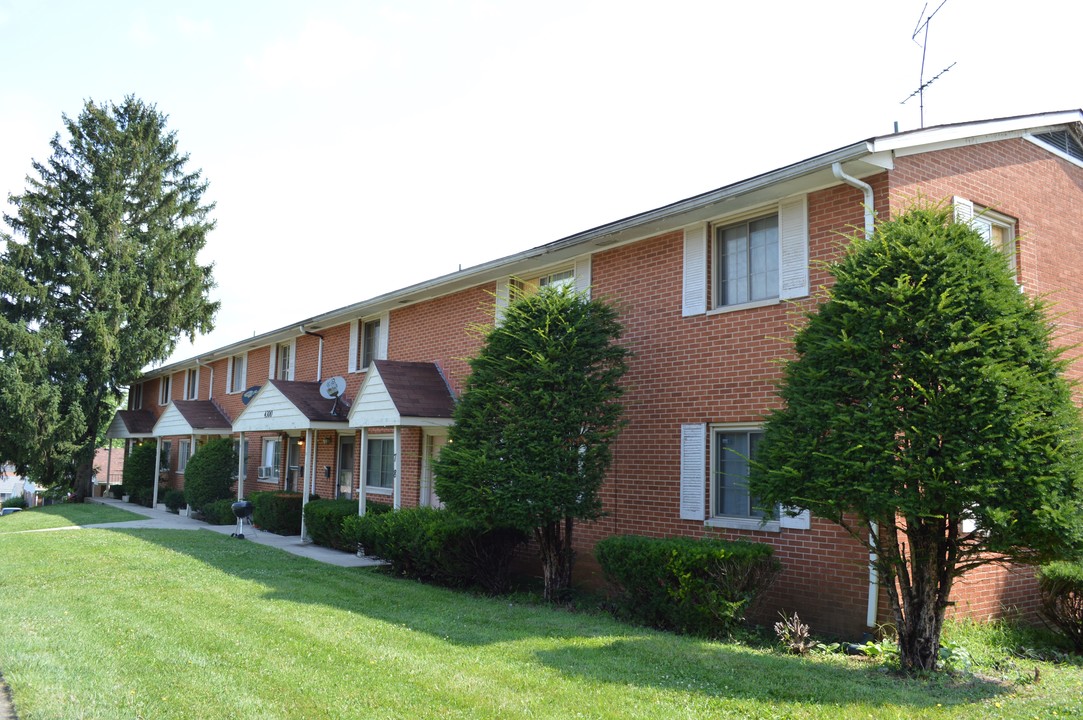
531 440
101 279
928 409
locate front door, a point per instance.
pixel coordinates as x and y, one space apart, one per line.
433 445
294 465
345 467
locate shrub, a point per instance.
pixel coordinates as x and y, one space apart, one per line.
277 512
142 496
702 587
18 501
117 491
174 500
139 469
219 512
1061 587
208 476
323 520
437 545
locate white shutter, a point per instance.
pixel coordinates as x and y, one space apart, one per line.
229 375
793 248
293 359
963 209
273 364
693 472
353 346
798 522
503 296
381 340
582 275
694 297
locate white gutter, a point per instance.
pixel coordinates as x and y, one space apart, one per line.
836 168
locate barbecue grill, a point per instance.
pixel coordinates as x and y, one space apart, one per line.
243 510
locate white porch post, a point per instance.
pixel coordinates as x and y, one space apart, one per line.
310 454
398 468
157 473
362 464
108 466
240 467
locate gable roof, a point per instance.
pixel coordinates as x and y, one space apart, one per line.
192 417
287 405
131 424
397 393
859 160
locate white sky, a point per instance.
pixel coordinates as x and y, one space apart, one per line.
354 148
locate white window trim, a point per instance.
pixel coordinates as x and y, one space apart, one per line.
377 489
731 521
188 389
165 389
184 454
275 353
966 211
230 390
357 337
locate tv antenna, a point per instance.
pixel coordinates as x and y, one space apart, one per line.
923 25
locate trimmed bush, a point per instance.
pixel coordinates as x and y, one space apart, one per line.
277 512
700 587
208 476
436 546
117 491
323 521
174 500
1061 586
18 501
139 469
219 512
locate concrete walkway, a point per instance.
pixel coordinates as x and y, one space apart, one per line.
165 520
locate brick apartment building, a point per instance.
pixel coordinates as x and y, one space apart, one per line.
706 289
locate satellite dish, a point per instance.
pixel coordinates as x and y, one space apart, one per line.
250 393
333 387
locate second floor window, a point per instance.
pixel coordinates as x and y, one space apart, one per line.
747 261
165 386
236 374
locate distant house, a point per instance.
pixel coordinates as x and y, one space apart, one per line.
13 485
108 469
707 288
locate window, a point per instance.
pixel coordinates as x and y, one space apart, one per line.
729 473
998 230
165 385
270 460
380 464
167 453
284 365
191 384
747 261
184 452
237 373
135 397
370 342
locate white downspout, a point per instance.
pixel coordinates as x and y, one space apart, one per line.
874 577
240 466
397 499
864 187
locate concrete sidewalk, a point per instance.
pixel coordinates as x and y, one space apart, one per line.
165 520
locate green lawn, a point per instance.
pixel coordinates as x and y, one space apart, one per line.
64 515
182 624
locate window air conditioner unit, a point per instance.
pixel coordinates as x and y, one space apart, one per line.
264 472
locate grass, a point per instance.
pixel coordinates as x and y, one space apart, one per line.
64 515
179 624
